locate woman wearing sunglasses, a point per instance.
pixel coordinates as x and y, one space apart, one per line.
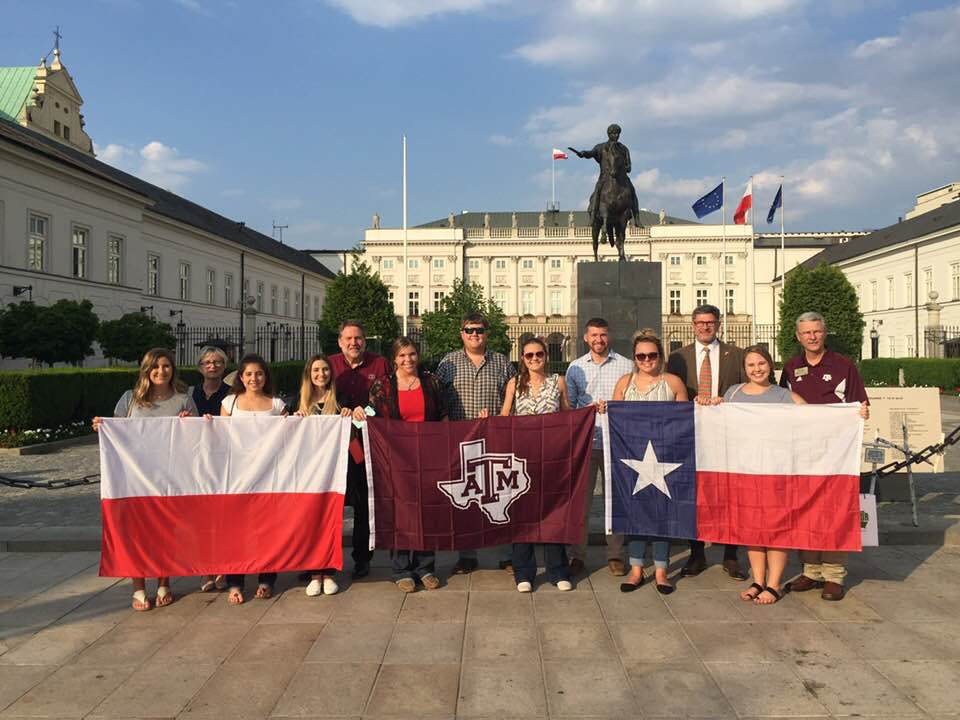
534 392
648 381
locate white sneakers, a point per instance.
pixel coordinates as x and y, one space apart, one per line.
328 586
564 586
524 586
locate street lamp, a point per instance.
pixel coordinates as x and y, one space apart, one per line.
874 341
21 289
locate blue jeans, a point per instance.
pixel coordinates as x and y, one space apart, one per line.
637 548
525 562
413 564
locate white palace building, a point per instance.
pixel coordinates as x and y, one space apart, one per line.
526 262
72 227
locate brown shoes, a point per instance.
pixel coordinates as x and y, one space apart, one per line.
833 591
576 567
803 583
732 568
616 567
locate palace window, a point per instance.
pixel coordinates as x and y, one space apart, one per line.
260 295
729 259
527 263
114 259
473 264
526 302
184 281
955 281
211 286
927 284
37 242
730 301
908 296
388 263
500 298
413 304
297 305
556 263
891 297
228 290
413 264
701 296
500 264
153 274
273 299
79 252
674 260
873 295
439 263
438 297
286 302
556 302
316 306
674 302
701 259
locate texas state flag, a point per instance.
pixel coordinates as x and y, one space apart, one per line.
782 476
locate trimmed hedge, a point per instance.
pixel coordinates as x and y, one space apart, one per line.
943 373
48 398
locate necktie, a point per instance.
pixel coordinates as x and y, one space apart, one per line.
705 382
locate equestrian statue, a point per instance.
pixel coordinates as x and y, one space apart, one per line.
614 199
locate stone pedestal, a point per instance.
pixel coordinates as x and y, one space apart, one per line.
626 294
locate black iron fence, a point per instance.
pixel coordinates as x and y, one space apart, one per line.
276 342
676 335
942 341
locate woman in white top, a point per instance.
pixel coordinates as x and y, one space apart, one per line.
252 394
157 393
648 381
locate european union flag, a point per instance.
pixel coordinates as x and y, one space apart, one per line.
651 469
777 203
710 202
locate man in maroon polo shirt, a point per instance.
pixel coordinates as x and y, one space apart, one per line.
821 376
354 371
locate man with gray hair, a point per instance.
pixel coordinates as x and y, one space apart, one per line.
821 376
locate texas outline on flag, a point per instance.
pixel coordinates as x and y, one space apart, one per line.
491 480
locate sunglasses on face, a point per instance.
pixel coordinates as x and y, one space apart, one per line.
474 330
647 356
531 355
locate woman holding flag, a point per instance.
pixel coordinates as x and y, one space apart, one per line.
158 392
648 381
318 396
766 564
252 394
533 392
412 394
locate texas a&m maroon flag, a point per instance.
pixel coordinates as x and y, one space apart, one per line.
194 496
478 483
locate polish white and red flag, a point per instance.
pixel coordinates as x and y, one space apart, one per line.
559 154
195 496
746 202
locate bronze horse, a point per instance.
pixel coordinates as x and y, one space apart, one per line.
614 200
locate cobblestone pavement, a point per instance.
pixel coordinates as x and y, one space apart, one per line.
71 647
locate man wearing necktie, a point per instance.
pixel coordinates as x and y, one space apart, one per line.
708 367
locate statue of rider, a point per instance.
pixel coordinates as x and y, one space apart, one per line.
614 160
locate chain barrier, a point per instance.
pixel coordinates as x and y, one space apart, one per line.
918 457
58 484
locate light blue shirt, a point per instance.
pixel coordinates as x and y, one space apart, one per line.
589 381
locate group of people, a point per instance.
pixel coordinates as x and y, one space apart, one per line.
477 382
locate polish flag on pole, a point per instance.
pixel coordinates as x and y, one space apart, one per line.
190 496
559 154
746 202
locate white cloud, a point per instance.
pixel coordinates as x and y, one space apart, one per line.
391 13
502 140
875 46
155 162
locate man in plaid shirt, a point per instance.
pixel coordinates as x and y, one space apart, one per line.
590 378
473 380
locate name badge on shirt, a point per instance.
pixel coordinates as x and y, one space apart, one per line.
827 377
800 372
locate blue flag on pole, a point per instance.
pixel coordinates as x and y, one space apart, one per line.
651 469
710 202
777 203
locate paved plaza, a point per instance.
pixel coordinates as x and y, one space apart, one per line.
71 647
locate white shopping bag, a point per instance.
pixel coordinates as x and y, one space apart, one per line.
869 527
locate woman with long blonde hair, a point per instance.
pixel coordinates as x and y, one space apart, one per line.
318 396
158 392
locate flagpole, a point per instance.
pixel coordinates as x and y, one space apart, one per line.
553 182
723 251
403 298
783 243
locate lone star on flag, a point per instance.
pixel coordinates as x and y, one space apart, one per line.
651 471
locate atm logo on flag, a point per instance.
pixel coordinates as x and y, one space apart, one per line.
491 480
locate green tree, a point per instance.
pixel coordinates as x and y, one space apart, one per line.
441 329
130 336
360 295
62 332
18 337
825 290
66 332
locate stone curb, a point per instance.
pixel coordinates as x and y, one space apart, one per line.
53 446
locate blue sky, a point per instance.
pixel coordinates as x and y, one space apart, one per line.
293 110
